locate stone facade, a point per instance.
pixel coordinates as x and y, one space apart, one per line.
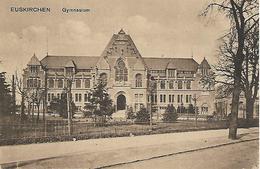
132 80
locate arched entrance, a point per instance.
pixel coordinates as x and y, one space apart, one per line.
121 102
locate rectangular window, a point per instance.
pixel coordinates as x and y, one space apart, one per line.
85 97
178 99
51 83
187 98
161 98
181 98
171 84
60 83
136 106
136 97
188 84
76 97
163 84
190 99
179 84
49 97
58 96
164 98
171 73
78 83
80 97
63 95
155 98
87 83
170 98
52 96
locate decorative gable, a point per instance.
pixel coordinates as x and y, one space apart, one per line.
121 45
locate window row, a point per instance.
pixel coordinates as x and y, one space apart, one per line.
33 83
139 97
171 98
77 98
180 84
60 83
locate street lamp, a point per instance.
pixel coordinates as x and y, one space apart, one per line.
195 98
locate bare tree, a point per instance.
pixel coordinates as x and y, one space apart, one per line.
250 71
37 97
24 95
243 16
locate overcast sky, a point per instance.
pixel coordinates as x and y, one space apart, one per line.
158 27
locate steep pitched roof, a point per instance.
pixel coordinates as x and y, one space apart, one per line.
81 62
205 64
121 43
188 64
34 61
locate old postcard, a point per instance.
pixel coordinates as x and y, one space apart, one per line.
144 84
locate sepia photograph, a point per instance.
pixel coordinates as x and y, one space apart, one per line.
129 84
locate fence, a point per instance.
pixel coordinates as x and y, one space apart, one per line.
51 131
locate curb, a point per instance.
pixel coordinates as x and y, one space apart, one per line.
24 163
177 153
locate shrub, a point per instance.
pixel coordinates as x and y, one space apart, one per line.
142 115
191 109
130 114
170 114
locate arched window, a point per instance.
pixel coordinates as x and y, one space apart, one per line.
138 80
103 78
121 71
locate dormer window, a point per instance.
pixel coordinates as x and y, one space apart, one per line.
34 69
171 73
69 71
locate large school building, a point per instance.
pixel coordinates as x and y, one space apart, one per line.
132 80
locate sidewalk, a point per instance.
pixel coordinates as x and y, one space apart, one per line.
108 151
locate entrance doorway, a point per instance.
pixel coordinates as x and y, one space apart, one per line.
121 102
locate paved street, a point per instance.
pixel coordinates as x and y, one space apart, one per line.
235 156
183 150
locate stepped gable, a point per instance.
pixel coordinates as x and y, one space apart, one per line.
81 62
34 61
121 45
185 64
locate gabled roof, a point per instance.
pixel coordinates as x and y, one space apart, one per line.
34 61
117 42
81 62
205 64
187 64
70 64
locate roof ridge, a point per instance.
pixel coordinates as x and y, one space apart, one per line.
145 57
71 56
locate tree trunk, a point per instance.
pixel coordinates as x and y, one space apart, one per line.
249 110
22 109
38 113
234 113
